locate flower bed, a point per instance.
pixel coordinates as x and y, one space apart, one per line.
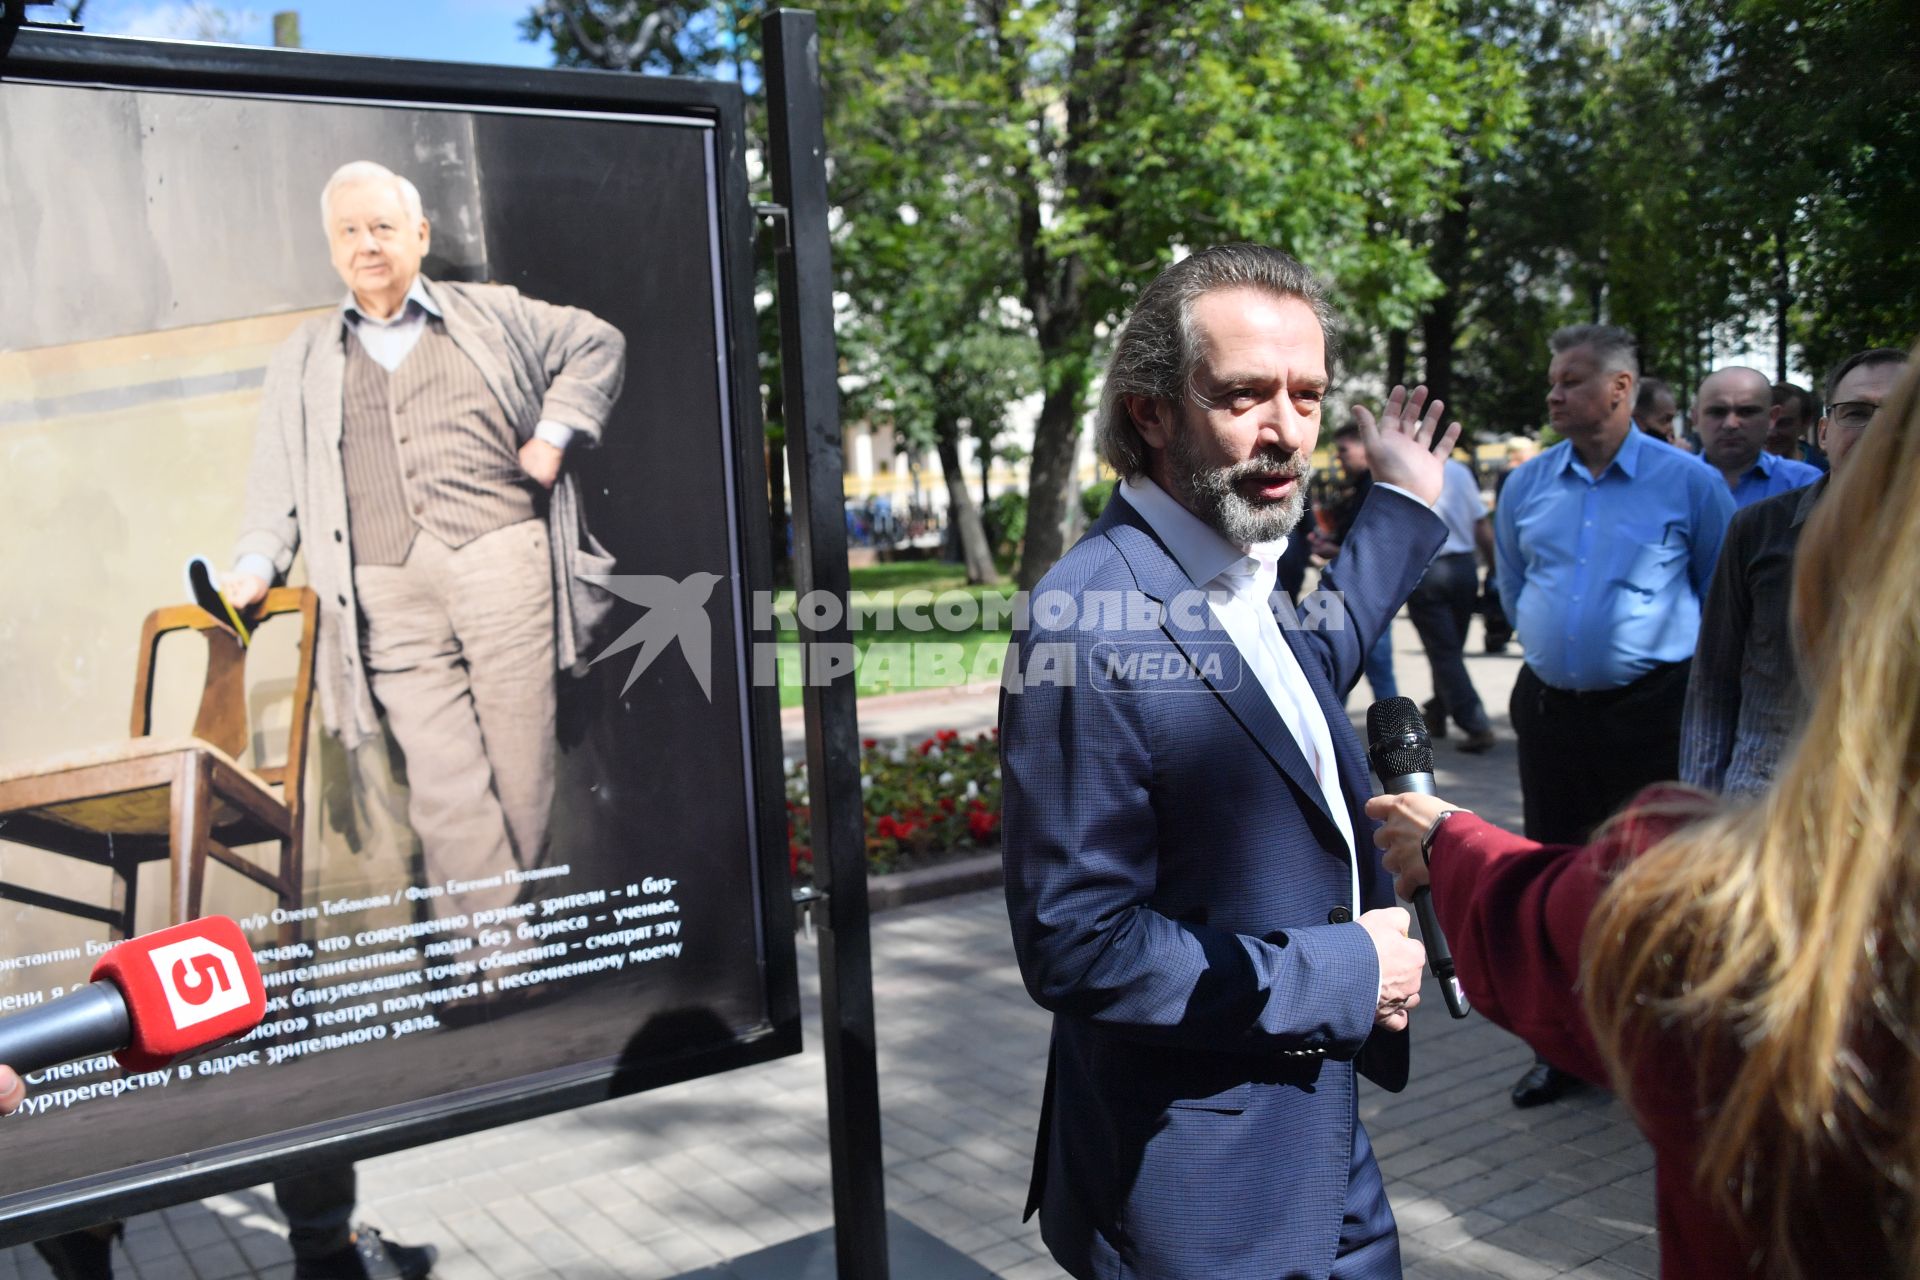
927 801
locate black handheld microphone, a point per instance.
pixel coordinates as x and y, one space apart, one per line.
1400 751
152 999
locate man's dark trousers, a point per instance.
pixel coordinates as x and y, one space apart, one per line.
1585 754
1441 607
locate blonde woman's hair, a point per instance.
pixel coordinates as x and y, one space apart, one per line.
1778 943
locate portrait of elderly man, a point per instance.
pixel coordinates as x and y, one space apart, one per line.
414 441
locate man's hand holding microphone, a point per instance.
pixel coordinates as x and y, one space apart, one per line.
1401 960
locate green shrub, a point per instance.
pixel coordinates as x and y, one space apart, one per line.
1005 517
1094 498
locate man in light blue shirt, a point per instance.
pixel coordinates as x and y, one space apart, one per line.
1733 412
1606 545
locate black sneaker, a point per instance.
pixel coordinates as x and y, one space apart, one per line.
370 1257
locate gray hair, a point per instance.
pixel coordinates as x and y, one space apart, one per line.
358 171
1612 346
1157 350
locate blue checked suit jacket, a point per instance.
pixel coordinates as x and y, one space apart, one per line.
1174 881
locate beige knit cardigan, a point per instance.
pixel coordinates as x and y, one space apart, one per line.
543 363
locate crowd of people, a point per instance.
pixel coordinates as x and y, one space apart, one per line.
1717 720
1659 645
1712 905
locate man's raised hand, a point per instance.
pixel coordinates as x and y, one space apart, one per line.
1406 447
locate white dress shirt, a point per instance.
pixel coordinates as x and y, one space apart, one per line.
1239 582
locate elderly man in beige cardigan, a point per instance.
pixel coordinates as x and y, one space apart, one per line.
414 442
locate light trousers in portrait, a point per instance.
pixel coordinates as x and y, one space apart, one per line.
459 650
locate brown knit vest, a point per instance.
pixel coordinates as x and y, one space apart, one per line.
425 447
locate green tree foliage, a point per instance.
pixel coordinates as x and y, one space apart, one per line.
1469 174
1708 173
667 37
1815 112
1064 151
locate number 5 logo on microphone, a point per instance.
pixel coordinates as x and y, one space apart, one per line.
201 980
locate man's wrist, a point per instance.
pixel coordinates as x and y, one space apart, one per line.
1403 492
255 565
557 434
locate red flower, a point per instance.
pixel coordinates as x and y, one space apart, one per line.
981 825
927 746
946 804
949 735
869 743
887 828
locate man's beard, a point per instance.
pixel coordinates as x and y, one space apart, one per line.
1213 493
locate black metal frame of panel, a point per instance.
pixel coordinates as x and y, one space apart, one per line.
810 377
51 55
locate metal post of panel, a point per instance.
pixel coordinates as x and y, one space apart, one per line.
809 369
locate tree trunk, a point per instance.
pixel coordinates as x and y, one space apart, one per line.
962 514
777 505
1440 326
1783 299
1396 358
1056 437
777 487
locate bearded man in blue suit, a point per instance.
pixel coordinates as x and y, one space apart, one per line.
1193 885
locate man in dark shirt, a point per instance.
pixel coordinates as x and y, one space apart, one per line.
1744 699
1654 409
1796 417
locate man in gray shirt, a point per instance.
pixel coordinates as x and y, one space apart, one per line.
1442 606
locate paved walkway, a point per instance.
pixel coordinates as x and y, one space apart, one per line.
670 1181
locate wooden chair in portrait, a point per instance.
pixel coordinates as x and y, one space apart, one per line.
186 800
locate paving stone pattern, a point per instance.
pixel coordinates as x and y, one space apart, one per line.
680 1178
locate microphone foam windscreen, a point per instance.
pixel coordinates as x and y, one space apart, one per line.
187 988
1397 738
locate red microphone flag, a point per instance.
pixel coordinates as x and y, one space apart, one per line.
187 988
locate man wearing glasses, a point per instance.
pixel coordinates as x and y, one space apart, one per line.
1743 695
1733 413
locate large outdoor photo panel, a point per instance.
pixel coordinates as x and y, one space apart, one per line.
462 928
